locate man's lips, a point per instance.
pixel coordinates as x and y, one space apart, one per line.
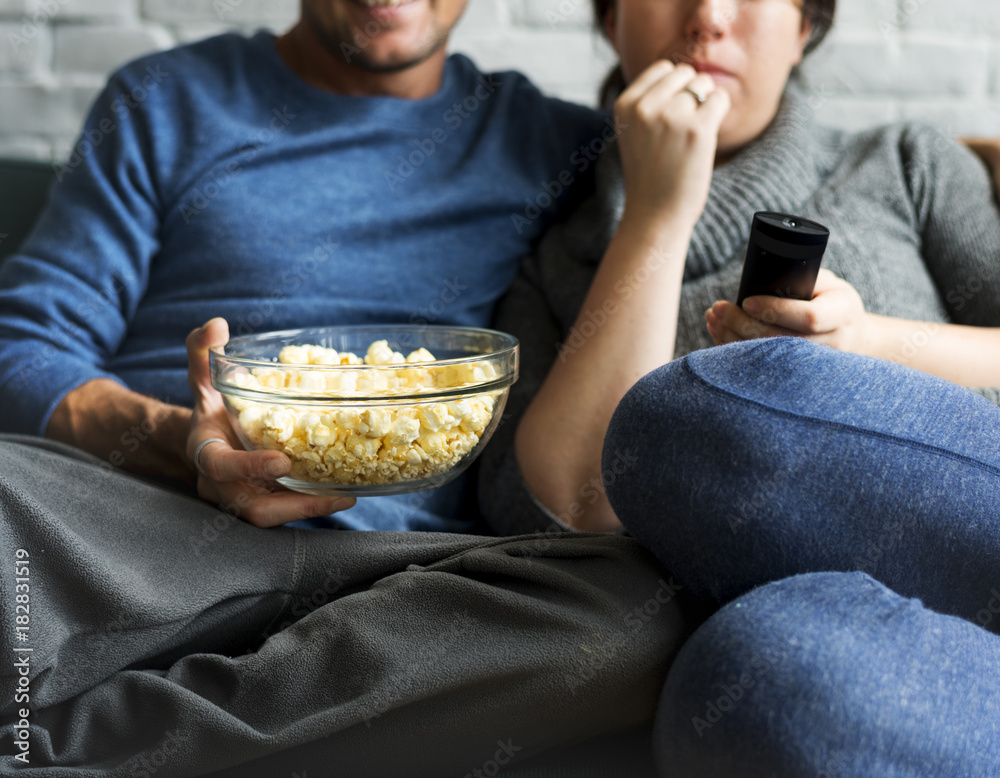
388 10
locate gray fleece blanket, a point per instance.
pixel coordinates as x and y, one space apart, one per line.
146 633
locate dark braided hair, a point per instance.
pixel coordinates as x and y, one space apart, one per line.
819 13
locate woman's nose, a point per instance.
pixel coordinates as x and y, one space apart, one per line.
710 19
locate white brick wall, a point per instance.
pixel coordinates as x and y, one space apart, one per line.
886 59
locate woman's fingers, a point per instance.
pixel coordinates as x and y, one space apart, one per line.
835 305
731 324
650 76
835 317
668 149
717 106
667 91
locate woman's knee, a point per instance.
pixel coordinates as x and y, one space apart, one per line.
750 459
829 674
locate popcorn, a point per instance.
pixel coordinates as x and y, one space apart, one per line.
366 444
420 355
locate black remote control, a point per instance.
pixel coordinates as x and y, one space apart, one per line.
783 256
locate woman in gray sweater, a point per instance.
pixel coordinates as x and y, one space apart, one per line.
753 468
640 272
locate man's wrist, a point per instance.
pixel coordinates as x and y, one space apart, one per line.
129 430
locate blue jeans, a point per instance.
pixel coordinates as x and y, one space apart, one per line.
779 458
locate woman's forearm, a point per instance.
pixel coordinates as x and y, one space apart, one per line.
988 150
968 356
129 430
626 328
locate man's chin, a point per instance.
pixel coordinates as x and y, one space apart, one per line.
373 62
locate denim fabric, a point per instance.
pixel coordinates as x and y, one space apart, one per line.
832 674
772 458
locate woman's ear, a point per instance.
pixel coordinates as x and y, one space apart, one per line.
804 35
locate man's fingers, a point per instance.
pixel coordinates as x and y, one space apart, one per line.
253 502
223 464
272 510
214 333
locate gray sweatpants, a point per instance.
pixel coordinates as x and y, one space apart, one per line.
163 637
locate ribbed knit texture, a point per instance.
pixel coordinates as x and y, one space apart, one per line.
914 227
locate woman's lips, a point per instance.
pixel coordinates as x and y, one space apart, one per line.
715 71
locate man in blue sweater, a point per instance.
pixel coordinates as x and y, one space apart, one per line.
347 172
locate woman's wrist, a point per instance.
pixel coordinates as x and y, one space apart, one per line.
656 231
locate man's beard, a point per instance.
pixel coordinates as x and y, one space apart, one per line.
341 44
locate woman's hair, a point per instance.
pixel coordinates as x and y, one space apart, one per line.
819 13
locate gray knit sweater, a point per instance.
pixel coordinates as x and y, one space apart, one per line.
914 227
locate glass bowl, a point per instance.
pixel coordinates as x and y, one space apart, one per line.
383 426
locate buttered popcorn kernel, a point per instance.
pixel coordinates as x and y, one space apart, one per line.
362 444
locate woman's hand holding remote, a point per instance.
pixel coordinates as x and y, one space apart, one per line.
835 317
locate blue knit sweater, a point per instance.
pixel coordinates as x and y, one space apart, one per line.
211 181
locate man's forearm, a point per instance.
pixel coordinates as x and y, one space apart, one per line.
129 430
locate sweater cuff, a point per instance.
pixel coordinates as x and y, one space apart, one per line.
32 394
